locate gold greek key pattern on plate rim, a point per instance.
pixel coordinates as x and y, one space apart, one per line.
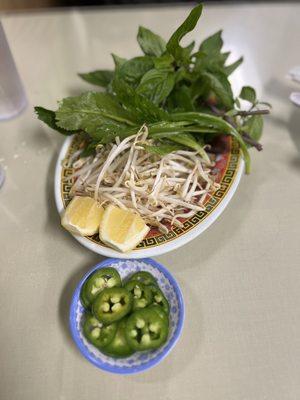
211 204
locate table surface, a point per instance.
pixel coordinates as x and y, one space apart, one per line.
240 279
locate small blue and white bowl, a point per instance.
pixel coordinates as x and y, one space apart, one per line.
139 361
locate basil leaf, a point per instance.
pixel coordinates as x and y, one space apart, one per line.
213 44
173 45
118 60
182 99
248 93
254 127
209 57
224 56
209 63
190 47
48 117
142 108
200 88
220 85
156 85
229 69
100 78
164 62
150 43
133 70
237 102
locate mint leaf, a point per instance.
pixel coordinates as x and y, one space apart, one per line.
48 117
156 85
100 78
150 43
173 45
248 93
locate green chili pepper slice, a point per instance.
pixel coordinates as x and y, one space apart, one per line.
160 312
96 333
119 346
146 330
112 304
99 280
85 302
144 277
159 298
142 294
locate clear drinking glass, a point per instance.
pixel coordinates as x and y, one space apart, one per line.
12 95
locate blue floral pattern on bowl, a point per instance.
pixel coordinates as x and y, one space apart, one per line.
139 361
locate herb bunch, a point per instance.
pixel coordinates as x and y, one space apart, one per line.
182 94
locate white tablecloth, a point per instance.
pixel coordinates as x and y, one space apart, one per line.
240 279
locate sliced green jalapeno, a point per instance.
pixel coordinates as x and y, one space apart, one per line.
119 346
95 283
112 304
142 294
96 333
85 302
146 330
144 277
159 298
160 312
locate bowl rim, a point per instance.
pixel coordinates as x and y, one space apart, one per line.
155 250
151 363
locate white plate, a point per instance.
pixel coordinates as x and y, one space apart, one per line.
230 176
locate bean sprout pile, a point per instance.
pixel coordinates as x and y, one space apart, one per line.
162 189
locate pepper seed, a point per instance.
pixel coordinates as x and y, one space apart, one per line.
116 307
99 282
95 333
115 299
133 333
146 338
140 323
105 307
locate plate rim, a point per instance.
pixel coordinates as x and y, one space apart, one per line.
151 363
155 250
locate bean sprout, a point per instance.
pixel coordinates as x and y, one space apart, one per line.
162 189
